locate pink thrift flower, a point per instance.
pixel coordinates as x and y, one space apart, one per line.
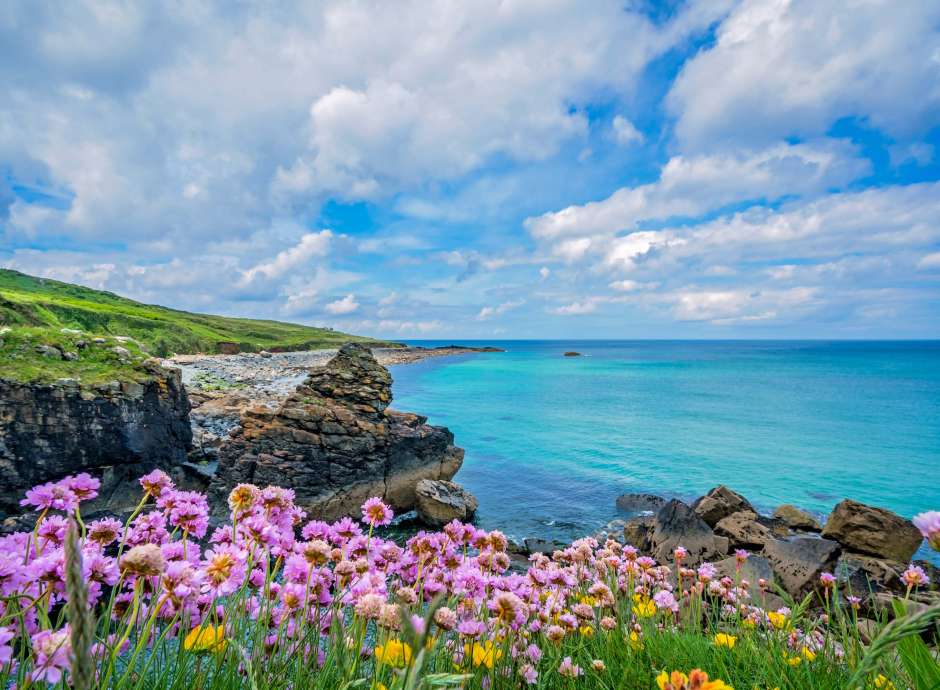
51 495
929 525
84 486
375 513
568 669
827 580
915 576
51 650
155 483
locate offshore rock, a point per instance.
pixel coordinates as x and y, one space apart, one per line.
336 443
439 502
640 503
116 432
874 531
719 503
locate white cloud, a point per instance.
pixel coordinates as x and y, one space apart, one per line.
624 132
346 305
929 262
488 312
586 306
310 245
783 68
631 286
739 305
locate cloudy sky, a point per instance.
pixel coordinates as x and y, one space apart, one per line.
485 169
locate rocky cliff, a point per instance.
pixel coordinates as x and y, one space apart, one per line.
336 443
115 431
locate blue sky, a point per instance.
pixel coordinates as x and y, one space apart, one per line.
513 169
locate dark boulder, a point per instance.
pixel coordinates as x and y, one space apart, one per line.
640 503
799 562
874 531
676 524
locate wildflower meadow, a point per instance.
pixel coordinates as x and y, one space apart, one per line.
269 600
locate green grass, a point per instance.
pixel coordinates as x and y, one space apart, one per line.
36 310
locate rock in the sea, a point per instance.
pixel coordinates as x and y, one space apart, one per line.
334 442
743 530
676 524
546 546
797 519
572 354
799 562
719 503
115 432
440 501
875 531
640 503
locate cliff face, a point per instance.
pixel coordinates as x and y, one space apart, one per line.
335 442
116 431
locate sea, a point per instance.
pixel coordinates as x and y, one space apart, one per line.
551 441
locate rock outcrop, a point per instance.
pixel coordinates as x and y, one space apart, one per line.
719 503
115 431
798 563
335 442
439 502
874 531
676 524
797 519
743 530
640 503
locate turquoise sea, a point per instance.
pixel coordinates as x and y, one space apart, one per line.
552 441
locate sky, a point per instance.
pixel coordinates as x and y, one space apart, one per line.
487 169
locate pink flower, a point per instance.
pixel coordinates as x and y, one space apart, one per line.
84 486
680 553
529 674
155 483
827 580
51 495
375 513
915 576
740 555
51 650
664 599
929 525
568 669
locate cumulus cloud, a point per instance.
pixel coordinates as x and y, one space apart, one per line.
312 244
624 132
345 305
488 312
782 68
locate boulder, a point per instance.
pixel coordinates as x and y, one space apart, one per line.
640 503
752 571
865 573
335 442
797 519
49 351
719 503
572 354
440 501
638 532
798 563
676 524
874 531
743 530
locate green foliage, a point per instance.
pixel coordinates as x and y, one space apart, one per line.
36 310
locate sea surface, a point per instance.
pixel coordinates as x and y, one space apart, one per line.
552 441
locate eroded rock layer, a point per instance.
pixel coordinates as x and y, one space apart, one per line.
336 443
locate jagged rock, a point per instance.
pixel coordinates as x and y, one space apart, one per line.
334 442
743 530
48 431
797 519
440 501
676 524
638 532
799 562
719 503
874 531
640 503
865 573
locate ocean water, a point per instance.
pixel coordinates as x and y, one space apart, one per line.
552 441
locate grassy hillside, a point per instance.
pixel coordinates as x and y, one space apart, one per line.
34 312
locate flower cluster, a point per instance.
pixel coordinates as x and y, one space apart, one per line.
268 587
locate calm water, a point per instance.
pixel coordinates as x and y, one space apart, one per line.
551 441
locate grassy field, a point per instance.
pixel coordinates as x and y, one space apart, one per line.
35 311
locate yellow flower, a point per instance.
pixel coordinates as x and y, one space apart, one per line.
484 654
643 606
586 631
394 653
725 640
206 639
589 600
635 642
676 679
883 683
778 620
808 654
697 679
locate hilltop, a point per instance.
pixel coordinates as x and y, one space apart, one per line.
100 335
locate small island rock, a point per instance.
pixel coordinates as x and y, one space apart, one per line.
572 353
439 502
640 503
